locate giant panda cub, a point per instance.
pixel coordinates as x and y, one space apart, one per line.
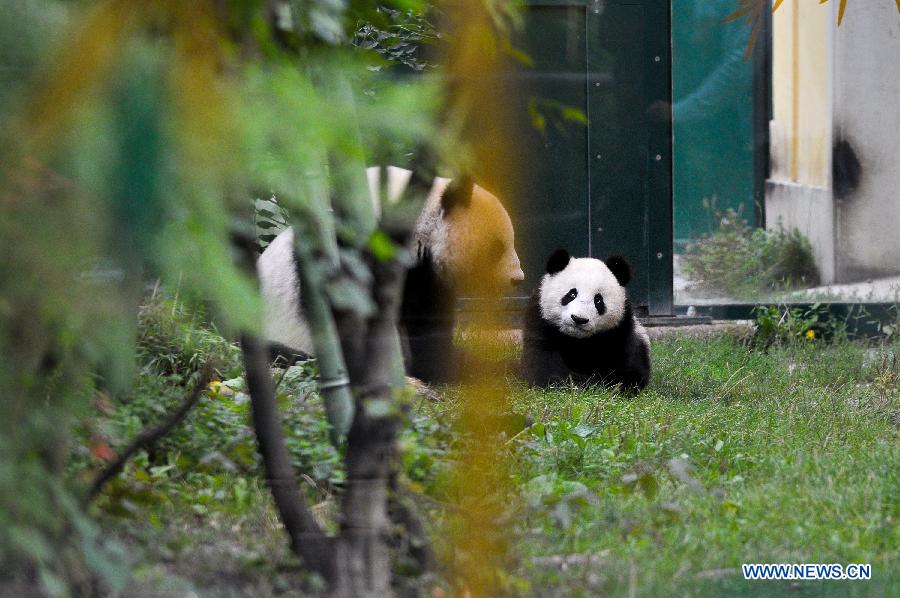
579 326
463 243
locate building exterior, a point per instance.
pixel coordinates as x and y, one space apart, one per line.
835 134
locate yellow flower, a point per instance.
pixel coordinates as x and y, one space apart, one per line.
215 388
810 334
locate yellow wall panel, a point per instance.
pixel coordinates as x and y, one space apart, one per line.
801 67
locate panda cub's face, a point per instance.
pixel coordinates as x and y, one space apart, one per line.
581 297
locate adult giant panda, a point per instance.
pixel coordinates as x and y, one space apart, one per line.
579 326
463 243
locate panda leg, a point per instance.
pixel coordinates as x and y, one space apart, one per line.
542 368
636 375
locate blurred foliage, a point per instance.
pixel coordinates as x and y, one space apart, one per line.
751 12
133 139
400 39
742 261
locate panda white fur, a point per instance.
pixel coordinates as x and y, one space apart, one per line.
579 326
463 243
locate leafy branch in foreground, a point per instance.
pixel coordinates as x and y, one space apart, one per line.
131 154
752 13
356 561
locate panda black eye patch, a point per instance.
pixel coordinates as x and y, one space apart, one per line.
497 248
599 304
569 297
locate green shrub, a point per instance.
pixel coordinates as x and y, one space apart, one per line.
740 260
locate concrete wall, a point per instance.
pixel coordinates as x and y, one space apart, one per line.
835 134
810 210
866 124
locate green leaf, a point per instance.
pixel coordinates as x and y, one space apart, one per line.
537 119
382 247
573 114
379 408
348 295
583 430
51 583
649 485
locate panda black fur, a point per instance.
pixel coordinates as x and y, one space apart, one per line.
579 326
463 243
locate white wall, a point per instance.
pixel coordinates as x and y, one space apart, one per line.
867 116
810 210
838 86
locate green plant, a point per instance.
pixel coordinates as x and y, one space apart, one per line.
780 325
397 36
174 340
739 260
270 218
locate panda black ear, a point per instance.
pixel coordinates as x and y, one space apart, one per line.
620 268
458 193
558 261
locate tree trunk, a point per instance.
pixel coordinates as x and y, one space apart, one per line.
371 450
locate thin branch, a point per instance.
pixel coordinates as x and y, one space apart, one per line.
371 450
333 378
308 539
150 436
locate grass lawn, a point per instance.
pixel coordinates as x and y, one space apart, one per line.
731 456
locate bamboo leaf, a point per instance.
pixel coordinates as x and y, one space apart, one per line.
537 119
574 114
750 6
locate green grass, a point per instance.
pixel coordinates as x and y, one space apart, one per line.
785 456
731 456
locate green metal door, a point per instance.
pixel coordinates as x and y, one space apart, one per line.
594 159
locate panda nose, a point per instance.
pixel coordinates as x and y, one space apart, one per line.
579 320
